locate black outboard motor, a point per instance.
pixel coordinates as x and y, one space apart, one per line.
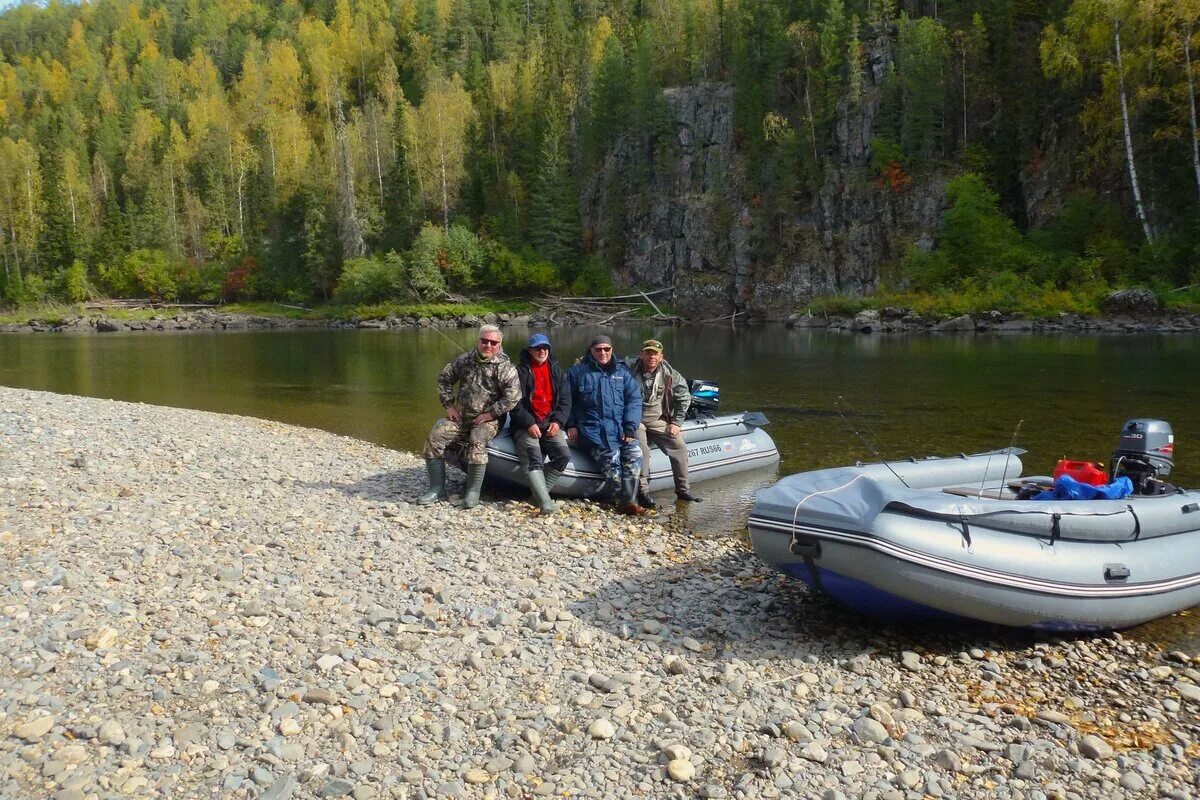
1145 455
706 399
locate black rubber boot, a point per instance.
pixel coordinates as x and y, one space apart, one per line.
627 501
607 493
474 484
686 496
541 496
435 468
645 500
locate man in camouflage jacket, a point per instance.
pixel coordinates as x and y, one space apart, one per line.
487 389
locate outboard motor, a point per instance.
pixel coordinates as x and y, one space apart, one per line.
706 399
1145 455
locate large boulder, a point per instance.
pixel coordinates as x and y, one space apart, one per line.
1130 301
961 324
866 321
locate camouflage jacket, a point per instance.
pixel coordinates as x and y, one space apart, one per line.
490 385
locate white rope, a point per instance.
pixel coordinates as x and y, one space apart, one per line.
806 498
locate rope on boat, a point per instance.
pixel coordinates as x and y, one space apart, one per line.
807 555
1055 516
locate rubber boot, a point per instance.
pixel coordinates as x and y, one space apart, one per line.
435 468
552 475
541 496
627 502
474 484
607 493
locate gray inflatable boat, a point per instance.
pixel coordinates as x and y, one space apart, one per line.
947 537
721 445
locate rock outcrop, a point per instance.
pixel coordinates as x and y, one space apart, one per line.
690 223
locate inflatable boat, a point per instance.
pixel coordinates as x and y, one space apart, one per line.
717 446
949 538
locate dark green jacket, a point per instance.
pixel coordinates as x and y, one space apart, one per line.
676 396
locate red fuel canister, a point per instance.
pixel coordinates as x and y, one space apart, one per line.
1083 471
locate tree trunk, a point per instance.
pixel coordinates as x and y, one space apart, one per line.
812 124
378 159
963 46
71 200
350 229
171 209
1133 178
12 232
1187 56
30 209
442 169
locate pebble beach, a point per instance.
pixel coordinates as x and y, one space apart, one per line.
195 605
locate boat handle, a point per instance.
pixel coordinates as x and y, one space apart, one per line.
806 549
1115 572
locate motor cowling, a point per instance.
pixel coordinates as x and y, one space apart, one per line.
1145 454
706 399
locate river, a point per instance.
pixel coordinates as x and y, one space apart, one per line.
831 399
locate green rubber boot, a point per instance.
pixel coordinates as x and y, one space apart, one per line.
541 495
436 469
474 484
552 475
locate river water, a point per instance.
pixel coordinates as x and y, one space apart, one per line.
832 399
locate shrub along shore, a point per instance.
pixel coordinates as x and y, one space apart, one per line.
1123 311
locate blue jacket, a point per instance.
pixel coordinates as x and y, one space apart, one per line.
606 402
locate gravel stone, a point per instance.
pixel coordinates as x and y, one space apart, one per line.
601 729
681 770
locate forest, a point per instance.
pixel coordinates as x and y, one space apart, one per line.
356 151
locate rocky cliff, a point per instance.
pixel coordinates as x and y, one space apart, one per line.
690 224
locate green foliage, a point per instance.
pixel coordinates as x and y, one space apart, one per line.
143 273
442 259
884 153
370 280
1005 292
427 263
75 285
252 133
508 272
589 276
975 238
922 59
837 305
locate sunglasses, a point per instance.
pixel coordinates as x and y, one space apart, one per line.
540 347
599 349
490 342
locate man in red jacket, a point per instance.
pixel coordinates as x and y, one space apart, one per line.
538 420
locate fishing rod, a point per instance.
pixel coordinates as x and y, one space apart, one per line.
865 441
448 339
1008 456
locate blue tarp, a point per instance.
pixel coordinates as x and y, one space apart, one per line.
1067 488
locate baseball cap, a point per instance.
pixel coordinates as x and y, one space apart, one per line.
652 344
538 340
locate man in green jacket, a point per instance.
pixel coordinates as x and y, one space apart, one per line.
487 389
665 401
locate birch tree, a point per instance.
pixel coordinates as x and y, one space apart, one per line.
1180 24
439 133
1094 38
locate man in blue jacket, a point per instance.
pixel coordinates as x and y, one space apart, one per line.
606 409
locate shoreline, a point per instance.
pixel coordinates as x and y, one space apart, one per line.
864 323
201 604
